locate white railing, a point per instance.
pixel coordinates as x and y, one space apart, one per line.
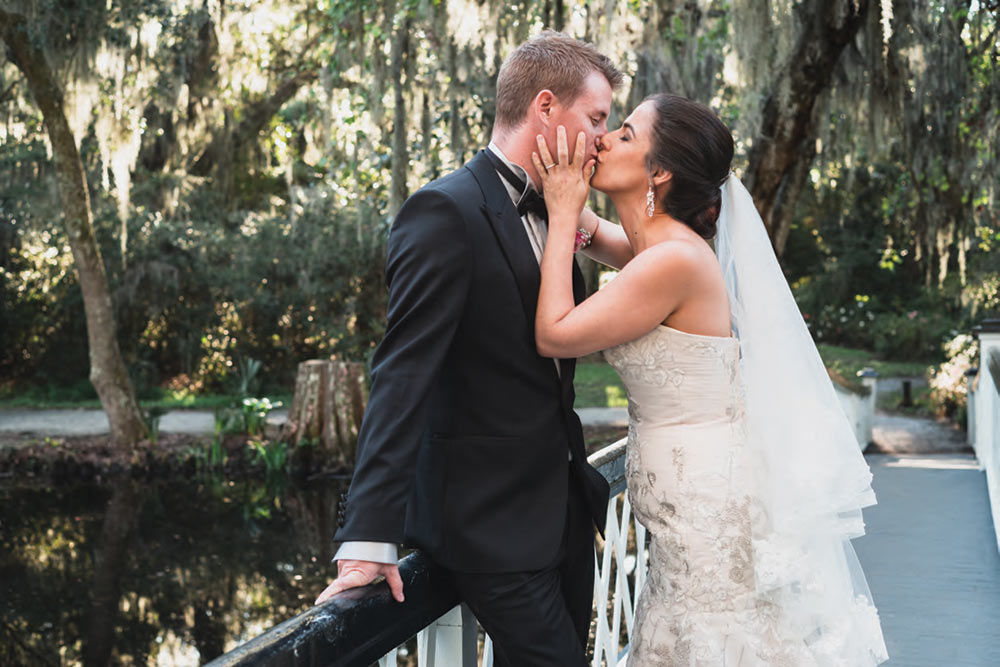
620 570
984 413
859 405
626 567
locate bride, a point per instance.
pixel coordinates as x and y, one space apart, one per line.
740 463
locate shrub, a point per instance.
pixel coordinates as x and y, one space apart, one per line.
948 386
200 292
911 335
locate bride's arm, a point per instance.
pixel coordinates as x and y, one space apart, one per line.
644 293
635 302
609 244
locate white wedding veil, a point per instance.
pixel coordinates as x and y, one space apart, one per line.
812 479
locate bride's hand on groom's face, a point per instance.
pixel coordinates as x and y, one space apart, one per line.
565 182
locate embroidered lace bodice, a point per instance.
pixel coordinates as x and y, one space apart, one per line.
690 484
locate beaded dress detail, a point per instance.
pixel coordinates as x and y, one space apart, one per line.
690 482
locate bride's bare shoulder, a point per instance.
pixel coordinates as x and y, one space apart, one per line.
675 254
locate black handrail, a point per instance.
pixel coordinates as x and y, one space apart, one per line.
359 626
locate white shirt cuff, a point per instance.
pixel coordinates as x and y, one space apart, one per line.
375 552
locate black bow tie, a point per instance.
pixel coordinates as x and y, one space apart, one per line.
530 199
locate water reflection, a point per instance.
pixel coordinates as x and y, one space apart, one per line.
167 573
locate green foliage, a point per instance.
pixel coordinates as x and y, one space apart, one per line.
948 384
912 335
597 385
849 361
858 285
197 300
921 405
215 453
273 455
274 252
151 416
254 414
247 378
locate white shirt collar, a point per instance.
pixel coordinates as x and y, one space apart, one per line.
518 170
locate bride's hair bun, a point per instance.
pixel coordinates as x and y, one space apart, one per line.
696 147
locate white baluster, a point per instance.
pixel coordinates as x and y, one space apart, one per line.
602 585
488 652
388 660
427 645
448 640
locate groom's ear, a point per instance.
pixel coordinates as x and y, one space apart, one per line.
543 106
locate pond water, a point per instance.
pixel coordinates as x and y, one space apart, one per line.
156 573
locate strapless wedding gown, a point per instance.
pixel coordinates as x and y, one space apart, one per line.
690 484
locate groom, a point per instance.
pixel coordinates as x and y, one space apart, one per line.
470 449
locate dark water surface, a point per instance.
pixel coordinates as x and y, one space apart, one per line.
156 573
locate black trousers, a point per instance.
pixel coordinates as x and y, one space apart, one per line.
540 618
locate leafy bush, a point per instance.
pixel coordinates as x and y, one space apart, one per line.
913 335
948 384
858 286
849 323
201 293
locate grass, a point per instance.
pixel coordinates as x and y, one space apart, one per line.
889 401
848 361
598 385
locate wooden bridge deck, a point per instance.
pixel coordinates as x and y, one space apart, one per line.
932 562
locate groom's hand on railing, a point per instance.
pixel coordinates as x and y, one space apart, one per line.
355 573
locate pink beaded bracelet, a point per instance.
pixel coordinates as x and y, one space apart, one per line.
583 239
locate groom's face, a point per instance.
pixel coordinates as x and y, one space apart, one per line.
588 113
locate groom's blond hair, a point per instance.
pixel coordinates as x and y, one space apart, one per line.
551 61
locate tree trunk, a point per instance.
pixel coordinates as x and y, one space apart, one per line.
401 68
788 195
788 121
455 119
107 370
255 118
329 403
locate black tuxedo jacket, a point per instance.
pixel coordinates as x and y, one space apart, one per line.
463 448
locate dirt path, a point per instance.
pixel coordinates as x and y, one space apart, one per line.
892 434
64 423
900 434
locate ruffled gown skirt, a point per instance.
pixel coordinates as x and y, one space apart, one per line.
691 482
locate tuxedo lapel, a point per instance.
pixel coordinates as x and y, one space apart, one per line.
510 233
568 366
579 285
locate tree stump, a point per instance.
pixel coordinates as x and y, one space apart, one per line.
329 402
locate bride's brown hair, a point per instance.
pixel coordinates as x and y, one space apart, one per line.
696 147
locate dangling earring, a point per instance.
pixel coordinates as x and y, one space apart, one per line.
649 201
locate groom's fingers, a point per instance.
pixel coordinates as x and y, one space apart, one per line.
349 579
395 582
353 577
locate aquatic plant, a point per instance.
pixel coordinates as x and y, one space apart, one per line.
273 455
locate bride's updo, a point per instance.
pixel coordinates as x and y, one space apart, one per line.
690 141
